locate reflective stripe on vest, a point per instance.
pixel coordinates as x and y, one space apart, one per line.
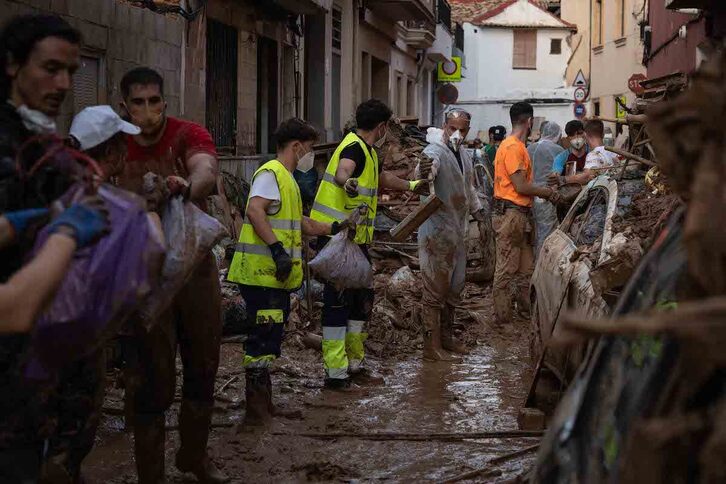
252 263
332 203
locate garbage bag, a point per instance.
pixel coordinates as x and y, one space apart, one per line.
104 284
342 263
190 236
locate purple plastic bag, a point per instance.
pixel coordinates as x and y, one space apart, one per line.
105 283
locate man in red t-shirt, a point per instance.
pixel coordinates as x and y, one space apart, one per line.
184 155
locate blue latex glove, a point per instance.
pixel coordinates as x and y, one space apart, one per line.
20 220
88 223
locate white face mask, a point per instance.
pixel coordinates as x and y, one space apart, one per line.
306 163
577 143
36 121
455 140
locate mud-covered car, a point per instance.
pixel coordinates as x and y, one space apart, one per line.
582 266
635 411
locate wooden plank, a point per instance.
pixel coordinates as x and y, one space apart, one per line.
414 220
630 156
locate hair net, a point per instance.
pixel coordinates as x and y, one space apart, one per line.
550 131
458 113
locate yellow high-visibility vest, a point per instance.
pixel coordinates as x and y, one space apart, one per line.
333 204
252 263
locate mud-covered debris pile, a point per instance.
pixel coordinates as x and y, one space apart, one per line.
401 152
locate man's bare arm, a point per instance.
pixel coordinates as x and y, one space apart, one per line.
203 171
257 213
345 170
24 296
390 181
314 228
523 187
582 178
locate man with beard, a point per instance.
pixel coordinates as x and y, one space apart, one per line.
184 154
38 56
512 222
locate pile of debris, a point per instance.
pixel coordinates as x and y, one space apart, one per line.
401 152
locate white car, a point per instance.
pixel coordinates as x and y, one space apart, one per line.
580 268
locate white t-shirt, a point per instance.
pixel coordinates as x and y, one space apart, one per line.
600 158
265 186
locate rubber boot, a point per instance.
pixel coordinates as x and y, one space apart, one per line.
194 422
448 341
432 349
258 396
149 441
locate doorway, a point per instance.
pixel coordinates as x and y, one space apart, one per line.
221 83
267 94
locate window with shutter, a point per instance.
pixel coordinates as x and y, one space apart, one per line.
525 49
85 83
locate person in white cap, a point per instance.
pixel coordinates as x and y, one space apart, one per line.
101 134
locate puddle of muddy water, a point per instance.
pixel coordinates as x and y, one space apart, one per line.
481 393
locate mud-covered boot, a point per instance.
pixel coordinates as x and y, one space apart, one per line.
194 423
258 396
149 441
448 341
432 349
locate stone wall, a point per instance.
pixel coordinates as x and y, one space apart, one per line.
118 36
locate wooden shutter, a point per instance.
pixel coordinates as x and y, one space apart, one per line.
85 84
525 49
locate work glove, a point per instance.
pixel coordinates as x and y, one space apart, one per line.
23 221
178 186
419 187
351 187
428 167
87 220
283 261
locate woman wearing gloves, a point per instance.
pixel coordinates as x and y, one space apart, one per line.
267 264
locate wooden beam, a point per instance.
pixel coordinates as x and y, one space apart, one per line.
630 156
400 232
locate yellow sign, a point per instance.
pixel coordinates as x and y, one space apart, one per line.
450 71
620 102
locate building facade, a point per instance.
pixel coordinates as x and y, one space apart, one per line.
240 67
515 51
617 53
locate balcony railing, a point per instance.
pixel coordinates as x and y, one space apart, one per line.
403 9
419 34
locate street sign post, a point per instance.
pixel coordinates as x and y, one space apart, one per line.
580 111
580 80
580 94
634 83
450 71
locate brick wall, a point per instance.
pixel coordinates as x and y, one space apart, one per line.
120 36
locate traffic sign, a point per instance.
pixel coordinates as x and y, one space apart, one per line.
620 111
450 71
580 94
634 83
580 111
580 80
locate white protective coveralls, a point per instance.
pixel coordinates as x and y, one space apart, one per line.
442 238
543 154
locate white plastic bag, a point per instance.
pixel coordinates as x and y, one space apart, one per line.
343 264
190 235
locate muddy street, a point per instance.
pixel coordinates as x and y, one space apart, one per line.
482 393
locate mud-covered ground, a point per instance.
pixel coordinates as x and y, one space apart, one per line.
481 393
